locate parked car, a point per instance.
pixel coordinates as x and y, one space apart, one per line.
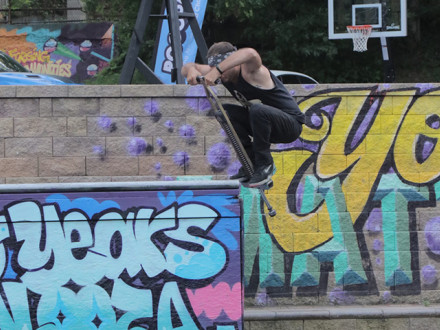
13 73
292 77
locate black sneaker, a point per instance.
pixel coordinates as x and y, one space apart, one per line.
240 176
262 175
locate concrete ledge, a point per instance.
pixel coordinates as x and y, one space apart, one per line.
167 90
341 312
120 186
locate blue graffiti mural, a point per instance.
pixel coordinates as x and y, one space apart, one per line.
107 261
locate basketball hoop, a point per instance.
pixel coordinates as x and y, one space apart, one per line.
360 35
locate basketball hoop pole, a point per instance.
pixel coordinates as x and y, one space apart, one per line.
388 67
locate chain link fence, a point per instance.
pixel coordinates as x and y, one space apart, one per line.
41 11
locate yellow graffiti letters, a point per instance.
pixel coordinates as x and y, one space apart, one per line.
57 68
25 57
354 148
416 151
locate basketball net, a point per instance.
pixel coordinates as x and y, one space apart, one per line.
360 35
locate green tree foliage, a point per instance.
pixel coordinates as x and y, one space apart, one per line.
35 4
293 35
123 13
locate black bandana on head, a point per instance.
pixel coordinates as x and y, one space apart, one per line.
217 59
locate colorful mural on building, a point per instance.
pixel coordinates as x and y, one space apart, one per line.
356 196
121 260
76 50
356 199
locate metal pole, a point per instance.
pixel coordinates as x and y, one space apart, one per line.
176 43
389 74
135 42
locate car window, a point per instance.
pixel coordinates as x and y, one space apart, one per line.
295 79
8 64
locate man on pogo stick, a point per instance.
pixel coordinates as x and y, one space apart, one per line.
277 119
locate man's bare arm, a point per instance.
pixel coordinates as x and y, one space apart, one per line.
192 70
253 70
247 57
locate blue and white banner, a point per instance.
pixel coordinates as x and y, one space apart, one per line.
164 57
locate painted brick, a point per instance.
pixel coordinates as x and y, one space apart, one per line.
146 90
27 180
67 179
112 166
2 147
19 167
56 166
19 108
76 146
177 144
198 165
37 127
175 107
123 106
385 324
28 147
46 107
75 107
180 90
276 325
118 127
6 127
73 129
95 91
329 324
204 125
157 126
160 166
124 146
42 91
428 323
134 178
212 139
8 91
76 126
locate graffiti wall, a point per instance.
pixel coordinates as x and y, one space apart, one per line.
76 50
167 259
356 197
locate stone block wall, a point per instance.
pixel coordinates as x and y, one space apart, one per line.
356 196
103 133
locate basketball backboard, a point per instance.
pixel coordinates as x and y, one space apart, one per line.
387 17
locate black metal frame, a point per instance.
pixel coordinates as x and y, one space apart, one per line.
132 60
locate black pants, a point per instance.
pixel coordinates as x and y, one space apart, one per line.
260 126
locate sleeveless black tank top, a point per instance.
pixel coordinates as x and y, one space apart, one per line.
277 97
